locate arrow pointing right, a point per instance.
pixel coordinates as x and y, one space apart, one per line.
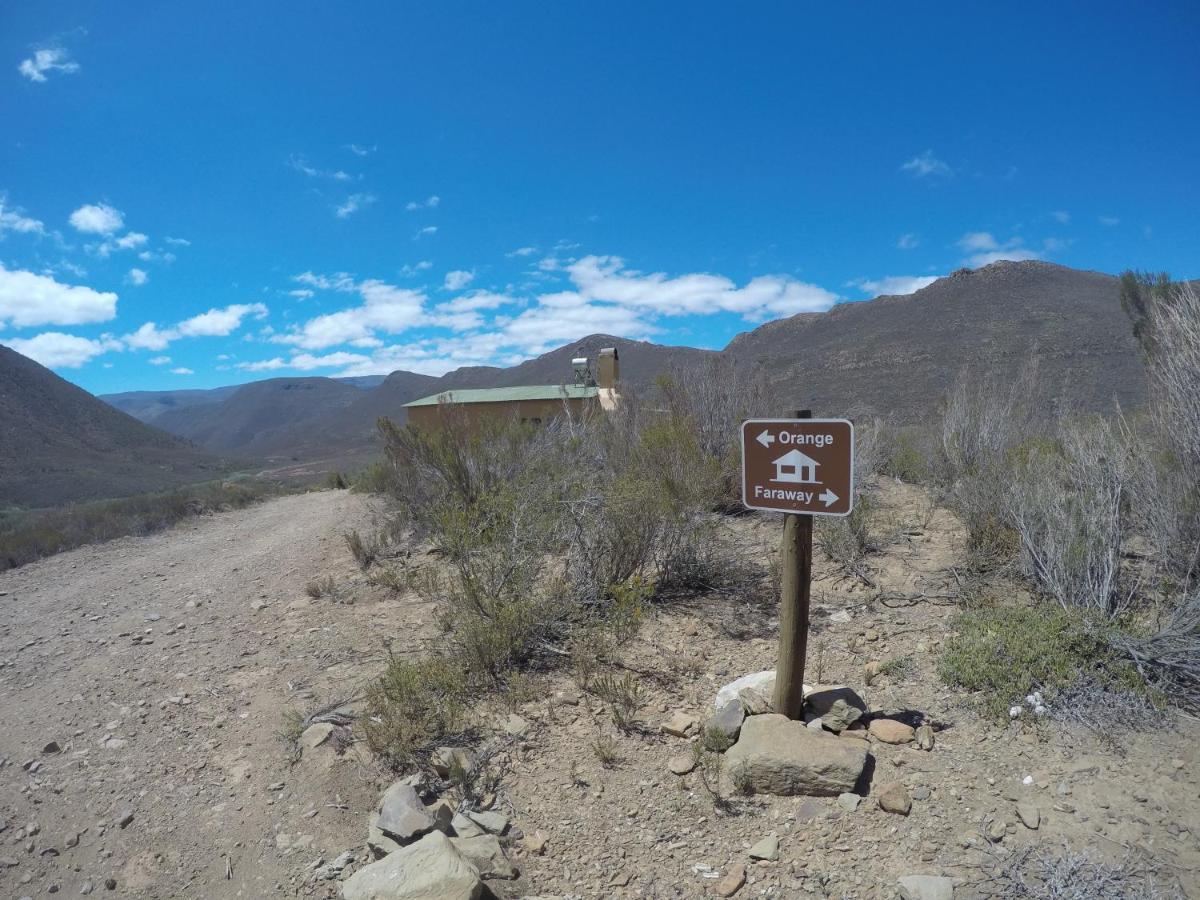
828 497
766 439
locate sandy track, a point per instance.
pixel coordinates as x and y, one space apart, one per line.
161 667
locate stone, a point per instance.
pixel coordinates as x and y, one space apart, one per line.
681 724
755 702
442 813
535 843
486 855
1029 814
849 802
996 831
767 848
890 731
781 756
446 759
807 812
515 725
402 816
731 883
727 721
51 747
682 764
491 822
429 869
871 670
763 682
315 735
465 827
125 819
837 706
926 887
379 843
894 798
925 738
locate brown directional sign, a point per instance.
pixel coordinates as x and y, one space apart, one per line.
798 465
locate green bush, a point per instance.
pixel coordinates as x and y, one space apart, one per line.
904 459
416 705
1006 653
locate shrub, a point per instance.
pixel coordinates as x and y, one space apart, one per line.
363 550
847 540
336 481
414 706
1038 872
1006 653
623 696
904 458
320 587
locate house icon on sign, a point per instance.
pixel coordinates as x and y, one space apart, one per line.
795 467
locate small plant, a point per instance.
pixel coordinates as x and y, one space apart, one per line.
320 587
709 764
739 777
336 481
715 740
415 705
388 578
606 750
897 666
623 696
363 551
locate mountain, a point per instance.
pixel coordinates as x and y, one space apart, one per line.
149 405
59 444
262 418
897 357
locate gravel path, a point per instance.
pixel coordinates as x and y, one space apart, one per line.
160 667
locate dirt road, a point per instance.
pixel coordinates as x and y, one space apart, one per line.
160 667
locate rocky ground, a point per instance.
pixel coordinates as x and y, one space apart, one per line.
143 685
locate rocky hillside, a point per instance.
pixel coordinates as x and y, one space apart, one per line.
898 356
59 444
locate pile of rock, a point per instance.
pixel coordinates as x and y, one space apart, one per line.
429 850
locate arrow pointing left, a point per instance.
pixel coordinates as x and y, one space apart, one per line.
766 439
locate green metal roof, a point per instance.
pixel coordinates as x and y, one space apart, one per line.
510 394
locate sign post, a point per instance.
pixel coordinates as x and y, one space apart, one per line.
802 467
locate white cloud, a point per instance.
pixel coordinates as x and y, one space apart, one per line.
385 308
97 218
426 231
301 294
476 300
63 351
300 165
339 281
15 220
160 361
28 299
359 150
428 203
152 256
522 251
178 242
353 204
458 279
138 277
265 365
1110 221
925 165
410 271
182 370
48 59
908 241
220 322
129 241
984 249
895 285
1061 216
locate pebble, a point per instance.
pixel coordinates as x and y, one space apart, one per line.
1029 814
681 765
890 731
731 883
849 802
767 848
894 798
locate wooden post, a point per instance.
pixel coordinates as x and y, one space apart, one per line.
795 587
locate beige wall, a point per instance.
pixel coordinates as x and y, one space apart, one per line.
431 416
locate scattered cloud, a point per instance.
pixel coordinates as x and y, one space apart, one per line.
353 204
29 299
407 271
384 307
63 351
130 241
298 163
1110 221
97 218
14 219
428 203
137 277
160 361
458 279
301 293
522 251
45 60
926 165
984 249
359 150
178 242
217 322
908 241
1061 216
894 285
426 232
182 370
306 362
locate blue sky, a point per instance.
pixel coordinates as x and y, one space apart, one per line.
197 195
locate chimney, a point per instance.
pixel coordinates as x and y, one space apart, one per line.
610 369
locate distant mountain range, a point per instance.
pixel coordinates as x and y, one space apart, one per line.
895 357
